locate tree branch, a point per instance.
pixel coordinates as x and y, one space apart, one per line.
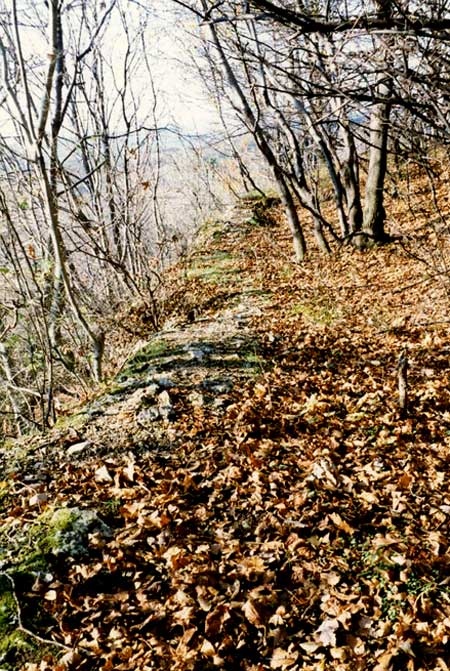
307 23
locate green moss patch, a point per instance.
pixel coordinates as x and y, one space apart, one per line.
55 533
18 647
75 421
322 313
214 268
143 359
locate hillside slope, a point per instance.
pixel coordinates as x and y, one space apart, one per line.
246 494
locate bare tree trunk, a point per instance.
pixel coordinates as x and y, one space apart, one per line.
374 212
49 182
330 162
351 182
300 185
17 407
292 217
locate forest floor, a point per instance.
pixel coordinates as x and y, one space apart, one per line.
246 493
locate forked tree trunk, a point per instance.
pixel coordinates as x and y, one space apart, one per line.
48 174
350 182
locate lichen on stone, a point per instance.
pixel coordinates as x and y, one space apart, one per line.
69 530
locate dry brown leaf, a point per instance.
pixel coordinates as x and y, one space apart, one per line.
102 475
282 659
252 566
327 632
384 662
341 524
207 648
51 595
251 613
215 620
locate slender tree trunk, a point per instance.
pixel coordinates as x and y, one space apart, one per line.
374 212
292 217
330 161
300 186
351 182
17 407
49 181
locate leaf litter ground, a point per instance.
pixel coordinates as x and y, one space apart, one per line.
268 507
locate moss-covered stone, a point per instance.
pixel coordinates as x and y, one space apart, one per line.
14 650
31 552
8 610
54 534
260 205
215 268
68 531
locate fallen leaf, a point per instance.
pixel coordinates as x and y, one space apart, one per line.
327 631
282 659
251 613
340 523
102 475
207 648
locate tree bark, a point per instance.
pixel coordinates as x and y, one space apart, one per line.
374 212
351 182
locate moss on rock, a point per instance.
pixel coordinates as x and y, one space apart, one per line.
69 529
16 646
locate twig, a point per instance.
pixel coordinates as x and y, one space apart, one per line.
402 371
20 625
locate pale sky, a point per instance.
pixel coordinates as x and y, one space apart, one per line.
181 99
182 90
170 39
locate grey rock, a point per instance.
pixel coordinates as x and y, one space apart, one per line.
218 385
196 354
148 415
70 529
220 402
196 399
163 382
128 383
151 391
77 448
198 351
165 405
